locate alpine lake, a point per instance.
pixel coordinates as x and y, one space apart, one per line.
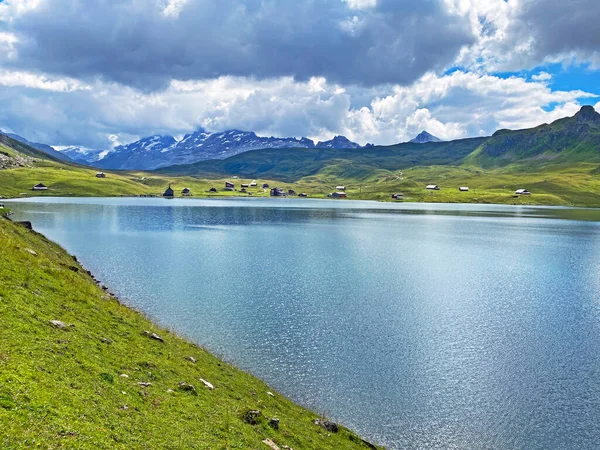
420 326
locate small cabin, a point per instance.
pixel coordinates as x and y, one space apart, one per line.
243 190
253 184
246 186
463 189
522 192
212 190
302 194
169 193
291 192
432 187
229 184
339 195
340 188
277 192
40 187
186 192
265 186
100 175
397 196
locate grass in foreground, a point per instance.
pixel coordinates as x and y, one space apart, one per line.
83 387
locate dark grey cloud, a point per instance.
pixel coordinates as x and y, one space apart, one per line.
132 42
555 28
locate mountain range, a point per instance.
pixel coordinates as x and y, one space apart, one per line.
157 151
571 139
566 141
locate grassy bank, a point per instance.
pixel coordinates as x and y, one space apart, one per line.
102 382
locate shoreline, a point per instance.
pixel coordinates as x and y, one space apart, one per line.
161 334
24 199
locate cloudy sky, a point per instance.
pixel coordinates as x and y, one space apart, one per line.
97 73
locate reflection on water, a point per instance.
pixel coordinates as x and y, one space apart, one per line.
420 326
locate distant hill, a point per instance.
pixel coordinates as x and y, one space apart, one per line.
41 147
424 137
293 164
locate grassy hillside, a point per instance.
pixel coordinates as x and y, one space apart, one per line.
81 387
291 165
22 167
569 140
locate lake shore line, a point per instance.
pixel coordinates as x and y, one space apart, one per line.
136 383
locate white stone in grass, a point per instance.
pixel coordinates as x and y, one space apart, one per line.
207 384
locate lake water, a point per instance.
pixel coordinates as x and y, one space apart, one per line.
419 326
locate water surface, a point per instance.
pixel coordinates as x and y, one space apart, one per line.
419 326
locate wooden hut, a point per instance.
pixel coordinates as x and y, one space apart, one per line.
463 189
278 192
186 192
432 187
40 187
339 195
169 193
100 175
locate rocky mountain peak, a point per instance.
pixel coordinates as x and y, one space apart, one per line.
339 142
587 113
425 137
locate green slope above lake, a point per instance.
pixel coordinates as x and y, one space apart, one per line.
98 378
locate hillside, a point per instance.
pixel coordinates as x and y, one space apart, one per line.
568 140
22 167
44 148
293 164
98 381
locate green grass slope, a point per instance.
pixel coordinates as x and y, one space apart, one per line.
569 140
80 387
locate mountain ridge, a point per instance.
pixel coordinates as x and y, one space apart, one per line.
160 151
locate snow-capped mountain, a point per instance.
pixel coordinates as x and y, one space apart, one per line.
425 137
162 151
142 154
84 155
338 142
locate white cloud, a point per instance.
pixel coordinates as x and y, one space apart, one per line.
174 8
452 106
542 76
32 80
361 4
